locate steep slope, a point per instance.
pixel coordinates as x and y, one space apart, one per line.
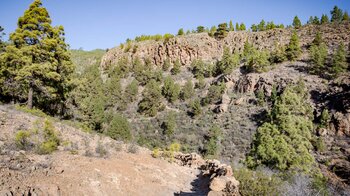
90 164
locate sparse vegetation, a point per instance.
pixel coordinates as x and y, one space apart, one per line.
22 139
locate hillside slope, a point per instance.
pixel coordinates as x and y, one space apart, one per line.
85 164
237 112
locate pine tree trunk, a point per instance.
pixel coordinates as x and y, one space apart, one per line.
30 97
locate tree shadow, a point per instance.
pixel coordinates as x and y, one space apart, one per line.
325 73
260 117
200 186
338 101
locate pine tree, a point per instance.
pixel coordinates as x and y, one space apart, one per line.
200 29
296 22
316 21
41 57
345 16
311 19
187 90
221 32
166 65
176 67
231 28
339 64
261 25
270 25
337 14
228 62
293 50
318 54
318 39
254 28
284 142
278 55
324 19
237 27
195 107
170 90
119 128
151 104
242 27
180 32
132 90
212 31
169 125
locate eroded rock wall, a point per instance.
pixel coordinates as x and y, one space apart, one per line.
201 46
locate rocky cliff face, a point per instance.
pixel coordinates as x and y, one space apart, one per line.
201 46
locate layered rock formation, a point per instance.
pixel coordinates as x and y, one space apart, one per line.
201 46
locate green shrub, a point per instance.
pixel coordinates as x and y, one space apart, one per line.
200 84
156 153
119 128
325 118
212 144
133 148
176 68
101 150
127 47
258 61
278 55
151 104
22 139
261 97
166 65
257 183
47 147
187 90
319 144
171 150
228 62
144 73
33 111
171 90
167 37
169 125
131 91
202 69
195 107
51 139
214 94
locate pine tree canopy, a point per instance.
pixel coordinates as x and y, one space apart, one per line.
37 59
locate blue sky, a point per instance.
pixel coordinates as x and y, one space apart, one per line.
92 24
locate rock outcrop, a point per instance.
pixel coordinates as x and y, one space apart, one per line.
221 180
201 46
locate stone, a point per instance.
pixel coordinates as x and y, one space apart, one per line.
218 184
322 131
